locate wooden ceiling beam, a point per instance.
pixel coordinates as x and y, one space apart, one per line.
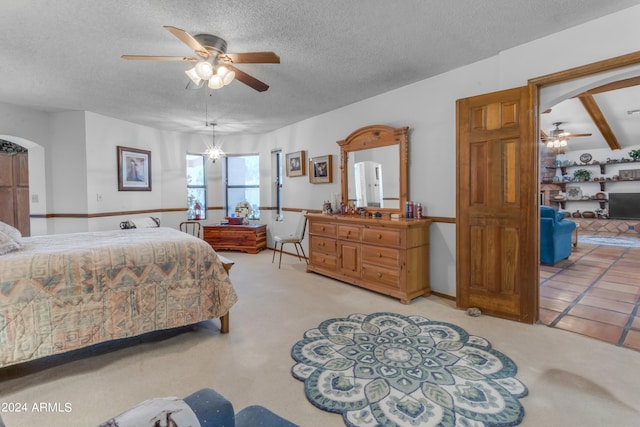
620 84
598 119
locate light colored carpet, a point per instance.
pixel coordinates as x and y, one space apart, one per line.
572 380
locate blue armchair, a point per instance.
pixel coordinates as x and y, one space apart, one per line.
555 235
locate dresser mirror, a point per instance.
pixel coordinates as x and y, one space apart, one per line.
373 165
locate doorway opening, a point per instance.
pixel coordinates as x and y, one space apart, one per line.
586 293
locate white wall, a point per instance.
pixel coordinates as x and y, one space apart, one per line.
427 107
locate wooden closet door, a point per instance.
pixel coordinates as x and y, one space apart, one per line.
14 191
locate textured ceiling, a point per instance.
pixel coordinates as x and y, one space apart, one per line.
65 55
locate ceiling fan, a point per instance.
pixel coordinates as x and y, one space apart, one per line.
213 63
558 138
558 133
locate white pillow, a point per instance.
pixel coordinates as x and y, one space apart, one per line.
147 222
7 244
10 231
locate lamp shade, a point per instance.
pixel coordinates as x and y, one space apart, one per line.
193 75
204 70
225 74
215 82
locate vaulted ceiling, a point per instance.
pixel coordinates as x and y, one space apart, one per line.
65 55
609 112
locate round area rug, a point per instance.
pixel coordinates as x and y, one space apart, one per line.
386 369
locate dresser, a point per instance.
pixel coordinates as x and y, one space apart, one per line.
383 255
250 238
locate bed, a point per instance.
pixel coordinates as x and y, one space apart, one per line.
68 291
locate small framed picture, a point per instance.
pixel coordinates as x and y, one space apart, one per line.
321 169
134 169
295 164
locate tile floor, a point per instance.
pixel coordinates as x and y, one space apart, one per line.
596 292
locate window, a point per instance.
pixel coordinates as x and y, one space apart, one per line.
243 183
196 187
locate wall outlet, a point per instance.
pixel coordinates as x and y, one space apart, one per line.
35 198
99 197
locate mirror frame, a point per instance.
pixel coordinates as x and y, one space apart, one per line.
375 136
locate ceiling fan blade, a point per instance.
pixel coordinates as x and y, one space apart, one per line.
573 135
188 39
250 58
159 58
249 80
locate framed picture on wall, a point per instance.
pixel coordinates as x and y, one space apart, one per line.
321 169
134 169
295 164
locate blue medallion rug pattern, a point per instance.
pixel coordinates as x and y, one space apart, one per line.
386 369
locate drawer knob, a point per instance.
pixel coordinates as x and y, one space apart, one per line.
379 275
379 236
379 255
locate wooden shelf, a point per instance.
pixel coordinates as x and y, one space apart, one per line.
602 183
562 203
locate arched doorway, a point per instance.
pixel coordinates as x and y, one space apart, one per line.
33 199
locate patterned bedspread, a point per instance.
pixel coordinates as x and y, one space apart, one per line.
68 291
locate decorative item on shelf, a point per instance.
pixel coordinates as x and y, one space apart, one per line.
576 214
601 196
582 175
629 174
585 158
574 193
588 214
602 213
634 154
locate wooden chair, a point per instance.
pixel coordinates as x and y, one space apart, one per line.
295 238
191 227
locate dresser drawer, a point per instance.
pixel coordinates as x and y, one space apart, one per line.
323 229
349 232
322 244
322 260
382 275
381 236
378 255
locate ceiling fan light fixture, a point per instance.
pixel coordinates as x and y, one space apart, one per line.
225 74
215 82
193 75
204 70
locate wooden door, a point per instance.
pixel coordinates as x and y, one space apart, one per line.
14 191
496 232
